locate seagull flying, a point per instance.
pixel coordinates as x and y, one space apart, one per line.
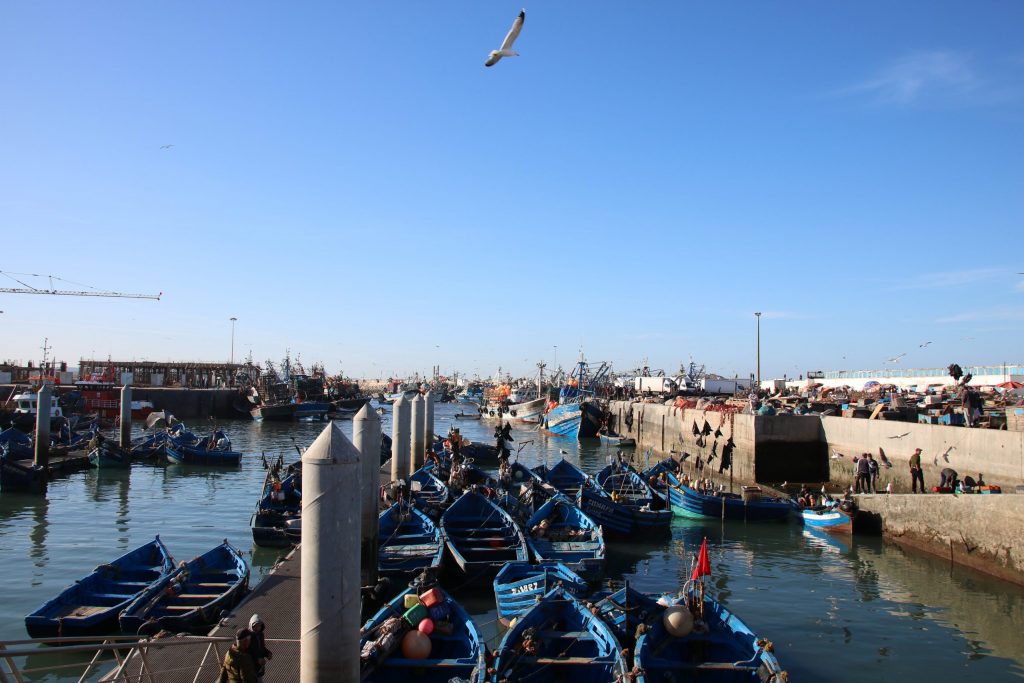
895 359
166 146
899 436
921 346
506 45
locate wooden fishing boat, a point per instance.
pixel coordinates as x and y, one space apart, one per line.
624 610
519 585
276 522
92 604
428 491
710 644
192 596
481 537
151 446
108 454
408 542
613 439
466 416
561 640
564 476
835 518
723 505
187 448
623 503
456 646
561 532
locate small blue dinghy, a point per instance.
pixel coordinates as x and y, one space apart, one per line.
428 491
192 596
408 542
520 585
184 447
92 604
481 537
564 476
625 504
456 646
558 639
277 520
561 532
108 454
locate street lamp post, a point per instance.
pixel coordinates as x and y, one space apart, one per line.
233 340
758 314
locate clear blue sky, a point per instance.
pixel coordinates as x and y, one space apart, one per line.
350 182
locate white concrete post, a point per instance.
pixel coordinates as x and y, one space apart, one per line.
428 439
366 436
42 454
417 420
330 610
126 416
399 439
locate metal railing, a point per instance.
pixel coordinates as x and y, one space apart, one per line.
128 655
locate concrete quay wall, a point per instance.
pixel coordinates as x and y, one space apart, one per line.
190 403
979 531
999 455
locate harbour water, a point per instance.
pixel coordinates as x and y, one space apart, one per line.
854 611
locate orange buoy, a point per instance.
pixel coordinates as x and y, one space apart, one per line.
416 645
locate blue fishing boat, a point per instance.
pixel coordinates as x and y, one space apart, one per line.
456 646
276 521
564 476
408 542
428 491
834 517
481 537
187 448
751 506
626 609
559 639
613 439
576 415
561 532
92 604
151 446
192 596
709 643
518 586
16 444
108 454
623 503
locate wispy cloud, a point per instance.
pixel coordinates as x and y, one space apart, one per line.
949 278
985 314
939 75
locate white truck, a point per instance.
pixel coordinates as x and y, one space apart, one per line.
724 386
655 385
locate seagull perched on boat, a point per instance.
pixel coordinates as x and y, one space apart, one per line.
506 45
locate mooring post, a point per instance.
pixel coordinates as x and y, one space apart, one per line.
330 611
42 444
428 438
417 420
399 439
126 416
366 436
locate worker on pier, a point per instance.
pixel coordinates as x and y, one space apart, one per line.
863 474
948 477
872 473
916 474
258 645
238 665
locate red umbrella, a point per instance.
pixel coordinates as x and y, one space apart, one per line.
1011 385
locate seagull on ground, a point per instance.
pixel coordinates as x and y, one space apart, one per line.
166 146
506 45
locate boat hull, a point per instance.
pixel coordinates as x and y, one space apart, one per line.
519 585
481 537
691 503
832 520
573 420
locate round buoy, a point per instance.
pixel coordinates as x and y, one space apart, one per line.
518 475
426 626
678 621
416 645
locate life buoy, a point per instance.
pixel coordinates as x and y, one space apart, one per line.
512 413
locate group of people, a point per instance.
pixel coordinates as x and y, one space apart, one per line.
867 474
246 660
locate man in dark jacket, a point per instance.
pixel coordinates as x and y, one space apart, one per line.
238 665
258 647
863 474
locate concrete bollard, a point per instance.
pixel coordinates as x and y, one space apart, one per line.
42 454
428 438
366 436
126 416
399 439
417 420
330 605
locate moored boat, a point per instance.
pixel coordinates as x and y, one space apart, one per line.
428 491
192 596
408 542
108 454
92 604
561 638
564 476
276 521
559 531
519 585
710 504
481 537
623 503
613 439
835 517
184 447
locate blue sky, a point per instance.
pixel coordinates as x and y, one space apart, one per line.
350 182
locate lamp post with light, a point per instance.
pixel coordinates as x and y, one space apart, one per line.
758 314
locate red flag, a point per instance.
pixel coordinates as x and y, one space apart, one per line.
703 567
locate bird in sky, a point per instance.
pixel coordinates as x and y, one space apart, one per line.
506 45
895 359
166 146
921 346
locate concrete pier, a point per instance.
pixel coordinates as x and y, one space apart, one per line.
428 402
330 619
417 422
366 435
399 439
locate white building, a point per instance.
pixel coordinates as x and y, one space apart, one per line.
914 378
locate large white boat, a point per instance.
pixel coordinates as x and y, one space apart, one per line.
27 403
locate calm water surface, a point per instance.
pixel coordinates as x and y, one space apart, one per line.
859 611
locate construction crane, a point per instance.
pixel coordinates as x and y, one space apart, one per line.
92 291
